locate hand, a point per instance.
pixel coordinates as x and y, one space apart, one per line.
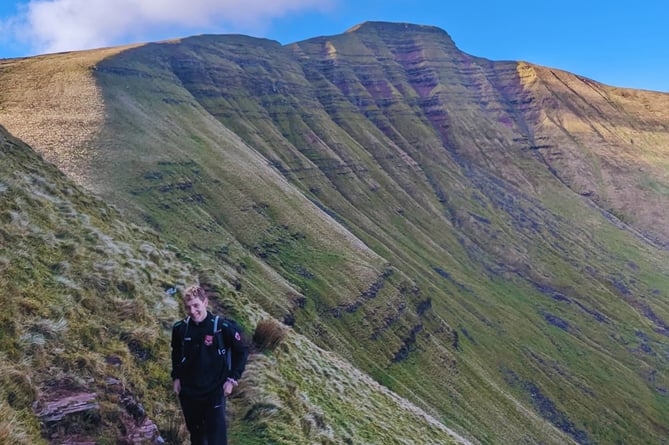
177 386
228 386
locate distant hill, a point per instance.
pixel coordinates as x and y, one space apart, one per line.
459 249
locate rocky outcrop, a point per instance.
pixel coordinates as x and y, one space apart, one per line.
74 415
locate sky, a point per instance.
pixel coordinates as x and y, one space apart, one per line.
616 42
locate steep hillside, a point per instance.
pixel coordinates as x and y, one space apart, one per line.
85 328
483 238
85 309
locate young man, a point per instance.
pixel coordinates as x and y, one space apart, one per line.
208 357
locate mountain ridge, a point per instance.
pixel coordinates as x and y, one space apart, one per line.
414 206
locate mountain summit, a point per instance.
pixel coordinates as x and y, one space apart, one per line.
481 243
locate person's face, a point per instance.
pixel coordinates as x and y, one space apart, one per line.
197 309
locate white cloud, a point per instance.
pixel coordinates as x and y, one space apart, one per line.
64 25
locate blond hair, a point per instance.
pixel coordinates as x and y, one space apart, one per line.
194 292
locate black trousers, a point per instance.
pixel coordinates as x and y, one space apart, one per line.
205 419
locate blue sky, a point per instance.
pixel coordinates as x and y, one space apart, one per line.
616 42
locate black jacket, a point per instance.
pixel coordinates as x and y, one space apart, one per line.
196 360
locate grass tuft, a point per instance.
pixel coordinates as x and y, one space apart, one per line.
15 429
268 335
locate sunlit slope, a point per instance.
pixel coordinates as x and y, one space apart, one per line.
608 144
52 102
481 237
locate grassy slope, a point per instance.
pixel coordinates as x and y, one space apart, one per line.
533 257
406 211
86 310
84 300
497 296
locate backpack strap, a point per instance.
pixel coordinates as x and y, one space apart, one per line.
220 344
228 356
218 335
183 338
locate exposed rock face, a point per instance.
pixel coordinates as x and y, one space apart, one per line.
55 410
61 414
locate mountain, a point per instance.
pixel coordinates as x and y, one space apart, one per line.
477 244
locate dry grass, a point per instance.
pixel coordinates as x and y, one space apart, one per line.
17 394
15 430
53 103
268 335
301 394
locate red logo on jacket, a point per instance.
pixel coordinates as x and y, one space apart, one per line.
208 340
